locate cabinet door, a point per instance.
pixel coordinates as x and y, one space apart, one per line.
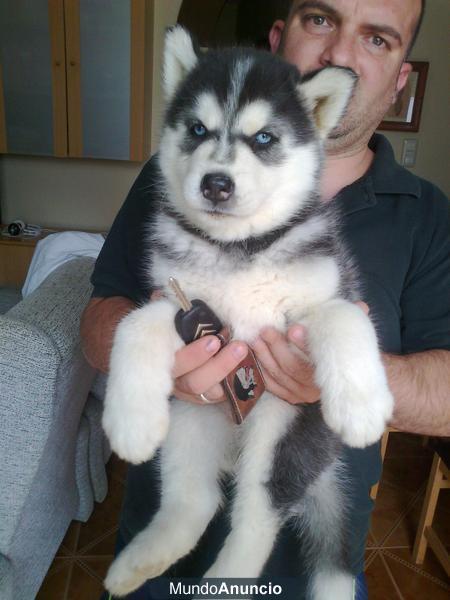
99 42
32 78
75 77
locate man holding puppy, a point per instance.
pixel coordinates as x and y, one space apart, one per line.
397 228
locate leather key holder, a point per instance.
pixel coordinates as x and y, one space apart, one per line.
244 386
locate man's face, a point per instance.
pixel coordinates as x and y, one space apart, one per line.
369 36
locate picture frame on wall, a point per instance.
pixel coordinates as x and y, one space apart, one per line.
404 114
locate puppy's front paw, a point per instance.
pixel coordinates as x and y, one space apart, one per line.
356 400
136 414
136 428
359 415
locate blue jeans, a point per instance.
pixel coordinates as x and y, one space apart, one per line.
362 593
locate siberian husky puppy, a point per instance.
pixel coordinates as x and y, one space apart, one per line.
241 226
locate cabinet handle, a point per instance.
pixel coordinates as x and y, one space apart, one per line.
73 63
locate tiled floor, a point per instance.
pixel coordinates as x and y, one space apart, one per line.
87 550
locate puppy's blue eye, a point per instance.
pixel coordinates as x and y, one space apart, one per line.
198 130
263 138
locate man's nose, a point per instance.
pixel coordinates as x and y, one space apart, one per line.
340 51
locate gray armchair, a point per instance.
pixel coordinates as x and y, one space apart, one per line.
52 447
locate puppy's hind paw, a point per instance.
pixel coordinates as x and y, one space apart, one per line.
132 568
120 581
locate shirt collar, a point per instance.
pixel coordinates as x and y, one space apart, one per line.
385 176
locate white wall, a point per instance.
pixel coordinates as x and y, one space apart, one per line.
67 193
75 193
433 148
166 13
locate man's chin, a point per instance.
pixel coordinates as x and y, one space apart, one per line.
336 135
342 130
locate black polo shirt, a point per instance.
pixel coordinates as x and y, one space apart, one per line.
397 226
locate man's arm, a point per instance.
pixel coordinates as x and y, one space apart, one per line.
420 384
98 324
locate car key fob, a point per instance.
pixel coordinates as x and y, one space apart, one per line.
194 319
245 384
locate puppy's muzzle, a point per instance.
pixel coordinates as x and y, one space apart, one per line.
217 187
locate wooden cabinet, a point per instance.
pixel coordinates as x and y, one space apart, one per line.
75 78
15 258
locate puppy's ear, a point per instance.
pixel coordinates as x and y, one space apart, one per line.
327 94
179 58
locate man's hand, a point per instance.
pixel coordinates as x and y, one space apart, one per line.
284 360
199 367
287 370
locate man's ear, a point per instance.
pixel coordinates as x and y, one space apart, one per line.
327 94
402 79
180 57
275 35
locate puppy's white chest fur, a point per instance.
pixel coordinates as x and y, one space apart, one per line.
261 294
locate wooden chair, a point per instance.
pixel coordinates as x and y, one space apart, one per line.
439 479
384 443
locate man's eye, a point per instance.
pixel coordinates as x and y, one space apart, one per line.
317 23
199 130
318 20
378 41
263 138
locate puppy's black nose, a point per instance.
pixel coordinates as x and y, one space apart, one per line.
217 187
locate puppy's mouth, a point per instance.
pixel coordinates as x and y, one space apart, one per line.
218 212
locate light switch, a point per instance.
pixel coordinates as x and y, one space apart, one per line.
409 153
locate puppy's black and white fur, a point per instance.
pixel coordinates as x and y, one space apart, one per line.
241 226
